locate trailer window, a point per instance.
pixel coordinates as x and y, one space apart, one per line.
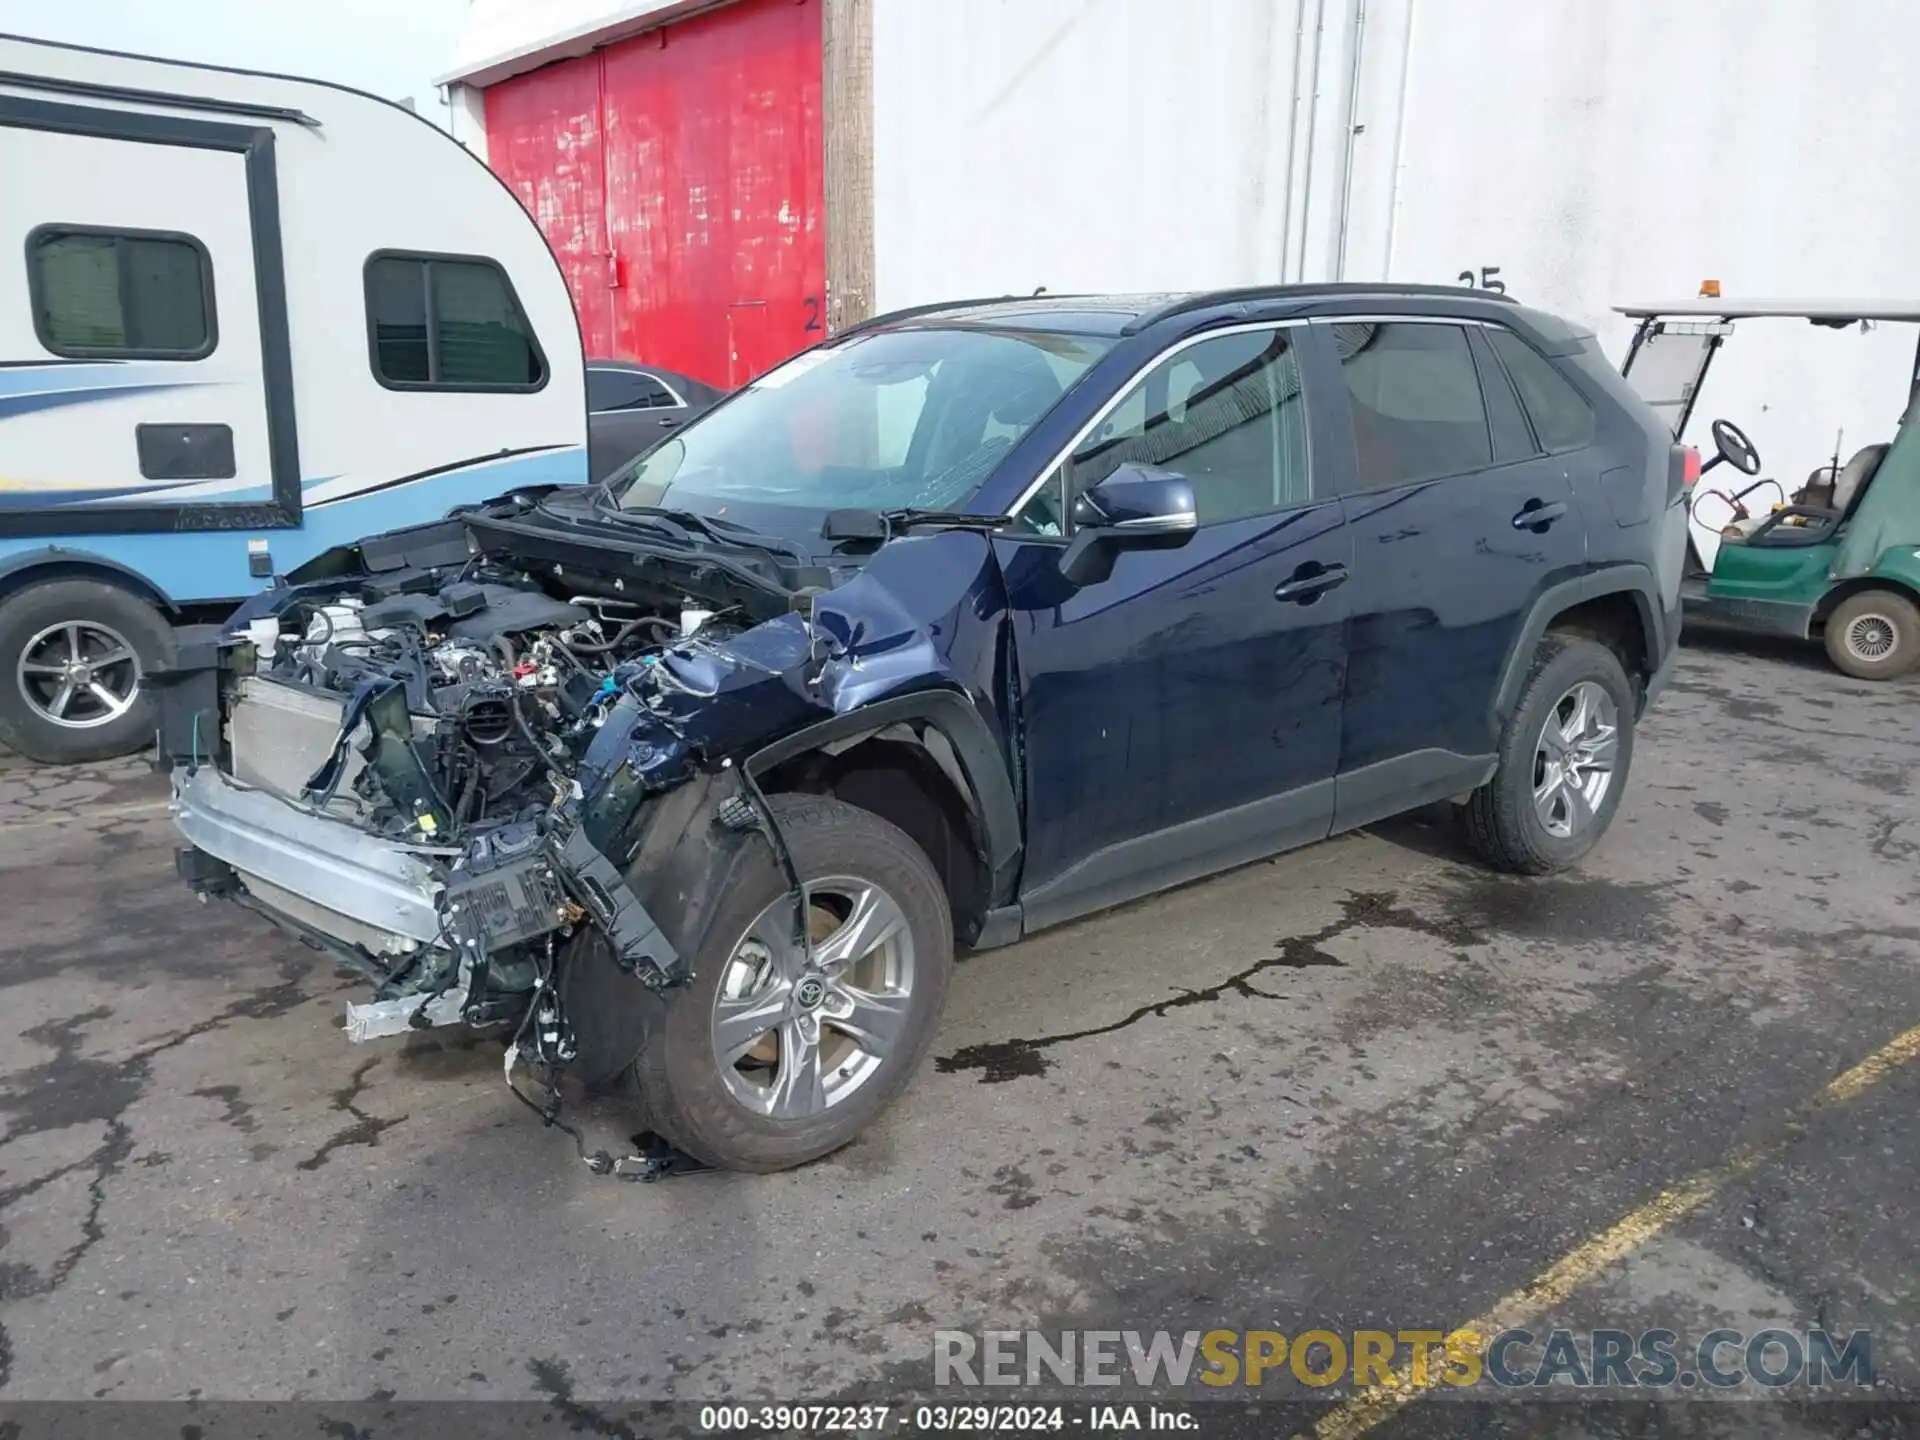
442 322
120 294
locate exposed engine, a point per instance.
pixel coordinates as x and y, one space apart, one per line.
494 686
452 719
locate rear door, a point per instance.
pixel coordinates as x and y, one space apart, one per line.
130 327
1459 521
627 410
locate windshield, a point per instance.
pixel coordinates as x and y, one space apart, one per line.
1665 369
889 420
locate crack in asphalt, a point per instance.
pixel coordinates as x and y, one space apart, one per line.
1001 1060
553 1379
365 1130
74 1089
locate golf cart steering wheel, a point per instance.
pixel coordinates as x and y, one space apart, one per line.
1734 447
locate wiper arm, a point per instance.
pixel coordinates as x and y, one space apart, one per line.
688 523
885 524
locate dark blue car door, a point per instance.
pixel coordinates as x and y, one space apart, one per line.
1459 521
1183 714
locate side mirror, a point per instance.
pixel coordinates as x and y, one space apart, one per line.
1137 507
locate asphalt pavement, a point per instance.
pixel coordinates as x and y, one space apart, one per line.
1363 1085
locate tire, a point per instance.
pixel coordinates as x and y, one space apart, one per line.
108 620
1874 635
1502 822
694 1101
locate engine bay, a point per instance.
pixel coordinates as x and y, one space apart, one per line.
511 682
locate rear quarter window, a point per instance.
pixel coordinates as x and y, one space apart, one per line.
1562 418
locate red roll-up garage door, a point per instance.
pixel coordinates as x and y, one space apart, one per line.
679 176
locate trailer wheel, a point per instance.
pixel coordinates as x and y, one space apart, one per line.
73 654
1873 635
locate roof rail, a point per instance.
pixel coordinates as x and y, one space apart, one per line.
1330 289
912 312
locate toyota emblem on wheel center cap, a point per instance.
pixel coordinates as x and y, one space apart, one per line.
810 992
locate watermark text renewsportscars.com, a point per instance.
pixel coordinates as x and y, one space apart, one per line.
1518 1359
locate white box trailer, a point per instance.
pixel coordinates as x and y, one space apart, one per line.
243 318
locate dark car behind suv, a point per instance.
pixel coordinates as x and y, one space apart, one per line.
973 620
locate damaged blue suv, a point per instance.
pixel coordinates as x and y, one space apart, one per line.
975 619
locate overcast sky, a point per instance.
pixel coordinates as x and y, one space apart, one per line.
391 47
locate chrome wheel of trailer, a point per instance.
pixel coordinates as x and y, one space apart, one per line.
78 674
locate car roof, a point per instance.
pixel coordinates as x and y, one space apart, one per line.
1115 316
1827 311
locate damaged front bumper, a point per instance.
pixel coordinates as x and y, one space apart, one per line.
448 935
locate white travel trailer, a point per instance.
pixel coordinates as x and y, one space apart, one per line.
243 318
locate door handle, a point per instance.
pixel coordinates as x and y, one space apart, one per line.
1310 582
1537 515
668 422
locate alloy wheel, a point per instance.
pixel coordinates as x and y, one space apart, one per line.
79 674
1573 760
799 1026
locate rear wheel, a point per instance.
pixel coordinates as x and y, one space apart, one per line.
1564 759
778 1052
73 654
1873 635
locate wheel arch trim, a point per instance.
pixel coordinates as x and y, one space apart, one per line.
53 562
1633 580
988 792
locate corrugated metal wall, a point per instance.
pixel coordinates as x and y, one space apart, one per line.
679 177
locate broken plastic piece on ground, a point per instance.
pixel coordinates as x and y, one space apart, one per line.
377 1019
655 1159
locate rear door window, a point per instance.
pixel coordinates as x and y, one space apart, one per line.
609 389
1512 435
1561 416
1418 412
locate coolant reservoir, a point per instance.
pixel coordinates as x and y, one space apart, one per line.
264 632
334 624
692 619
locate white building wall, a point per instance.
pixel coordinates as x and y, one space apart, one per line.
1594 153
1626 151
1080 144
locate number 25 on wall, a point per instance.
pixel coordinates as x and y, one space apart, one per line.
1489 280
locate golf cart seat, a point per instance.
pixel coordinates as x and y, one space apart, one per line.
1856 475
1802 523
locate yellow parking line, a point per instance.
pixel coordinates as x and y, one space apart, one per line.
85 815
1557 1283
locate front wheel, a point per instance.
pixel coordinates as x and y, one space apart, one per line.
1563 762
779 1051
73 654
1873 635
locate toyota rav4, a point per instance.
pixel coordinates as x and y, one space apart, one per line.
972 620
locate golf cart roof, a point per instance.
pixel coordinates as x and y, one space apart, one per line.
1828 312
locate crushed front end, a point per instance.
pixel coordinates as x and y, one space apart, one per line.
426 764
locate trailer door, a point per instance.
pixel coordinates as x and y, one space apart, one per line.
136 392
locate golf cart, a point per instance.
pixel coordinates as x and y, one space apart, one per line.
1839 555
